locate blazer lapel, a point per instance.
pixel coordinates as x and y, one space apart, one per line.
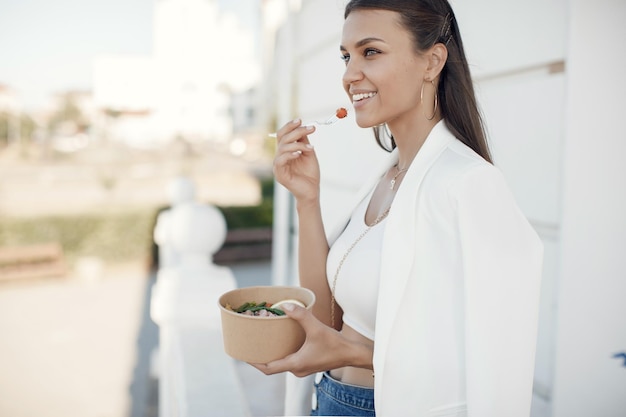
398 253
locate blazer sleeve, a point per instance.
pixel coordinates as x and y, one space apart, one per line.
502 262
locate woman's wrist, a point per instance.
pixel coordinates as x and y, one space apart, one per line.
306 204
358 355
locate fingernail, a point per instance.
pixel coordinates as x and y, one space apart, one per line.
309 146
296 121
309 128
297 153
288 306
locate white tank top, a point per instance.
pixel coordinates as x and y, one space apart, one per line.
356 290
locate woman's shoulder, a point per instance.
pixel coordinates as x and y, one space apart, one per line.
461 175
457 162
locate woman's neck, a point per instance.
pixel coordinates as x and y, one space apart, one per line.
409 139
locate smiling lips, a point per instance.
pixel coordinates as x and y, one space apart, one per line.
361 96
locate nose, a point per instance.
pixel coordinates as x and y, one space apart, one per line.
352 73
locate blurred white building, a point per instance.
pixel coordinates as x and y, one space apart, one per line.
201 57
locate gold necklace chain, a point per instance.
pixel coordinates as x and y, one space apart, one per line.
358 239
393 180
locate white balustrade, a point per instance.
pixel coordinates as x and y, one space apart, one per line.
196 377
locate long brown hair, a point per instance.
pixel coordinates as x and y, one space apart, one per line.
431 22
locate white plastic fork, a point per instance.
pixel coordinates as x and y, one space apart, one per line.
332 119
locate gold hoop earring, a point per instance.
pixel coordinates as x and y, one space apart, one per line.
436 101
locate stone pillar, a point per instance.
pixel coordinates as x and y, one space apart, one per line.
196 377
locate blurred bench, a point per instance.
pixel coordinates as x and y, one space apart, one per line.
32 261
245 245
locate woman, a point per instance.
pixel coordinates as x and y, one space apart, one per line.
435 241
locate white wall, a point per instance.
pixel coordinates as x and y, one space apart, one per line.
516 52
591 309
548 78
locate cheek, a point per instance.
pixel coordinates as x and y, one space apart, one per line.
405 82
408 75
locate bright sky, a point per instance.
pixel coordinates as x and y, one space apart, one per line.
48 45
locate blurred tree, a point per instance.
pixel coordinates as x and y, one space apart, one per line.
7 128
4 129
68 118
27 127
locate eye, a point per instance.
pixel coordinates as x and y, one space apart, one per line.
370 52
345 58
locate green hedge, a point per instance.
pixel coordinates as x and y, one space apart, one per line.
249 217
113 237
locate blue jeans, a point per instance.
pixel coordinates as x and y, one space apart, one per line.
335 398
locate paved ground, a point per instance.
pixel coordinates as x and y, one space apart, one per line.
81 346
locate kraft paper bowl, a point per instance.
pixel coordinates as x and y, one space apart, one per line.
262 339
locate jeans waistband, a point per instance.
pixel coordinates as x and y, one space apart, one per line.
353 395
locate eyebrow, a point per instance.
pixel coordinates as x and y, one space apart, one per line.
362 42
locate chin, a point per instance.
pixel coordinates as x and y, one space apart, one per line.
364 123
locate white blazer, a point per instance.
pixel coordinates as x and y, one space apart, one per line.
458 302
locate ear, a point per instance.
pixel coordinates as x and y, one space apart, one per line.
437 57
